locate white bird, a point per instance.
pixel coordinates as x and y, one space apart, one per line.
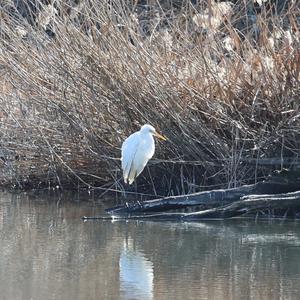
137 149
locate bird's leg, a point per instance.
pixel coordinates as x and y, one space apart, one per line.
153 186
135 189
124 194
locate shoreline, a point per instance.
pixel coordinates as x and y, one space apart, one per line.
222 82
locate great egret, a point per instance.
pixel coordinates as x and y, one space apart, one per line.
137 149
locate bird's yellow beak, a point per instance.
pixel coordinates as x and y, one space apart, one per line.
160 136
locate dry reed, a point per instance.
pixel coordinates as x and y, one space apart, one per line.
220 80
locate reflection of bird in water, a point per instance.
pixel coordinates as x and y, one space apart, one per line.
136 273
137 149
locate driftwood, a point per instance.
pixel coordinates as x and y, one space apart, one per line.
247 204
207 198
280 193
250 204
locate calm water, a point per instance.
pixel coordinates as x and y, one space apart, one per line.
48 252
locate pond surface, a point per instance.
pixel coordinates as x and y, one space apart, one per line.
48 252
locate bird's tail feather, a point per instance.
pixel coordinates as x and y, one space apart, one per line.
132 174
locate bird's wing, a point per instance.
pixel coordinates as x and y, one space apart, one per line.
144 152
129 149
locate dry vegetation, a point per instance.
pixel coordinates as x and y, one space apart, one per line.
220 80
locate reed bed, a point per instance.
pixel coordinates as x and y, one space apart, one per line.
219 80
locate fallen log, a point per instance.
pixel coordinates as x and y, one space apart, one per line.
247 205
208 199
280 192
250 204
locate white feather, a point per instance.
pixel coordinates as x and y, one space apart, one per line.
137 149
129 148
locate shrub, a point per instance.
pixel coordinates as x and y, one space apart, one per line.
220 80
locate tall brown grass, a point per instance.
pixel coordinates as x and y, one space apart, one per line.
221 82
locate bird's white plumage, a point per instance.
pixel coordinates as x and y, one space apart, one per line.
137 149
